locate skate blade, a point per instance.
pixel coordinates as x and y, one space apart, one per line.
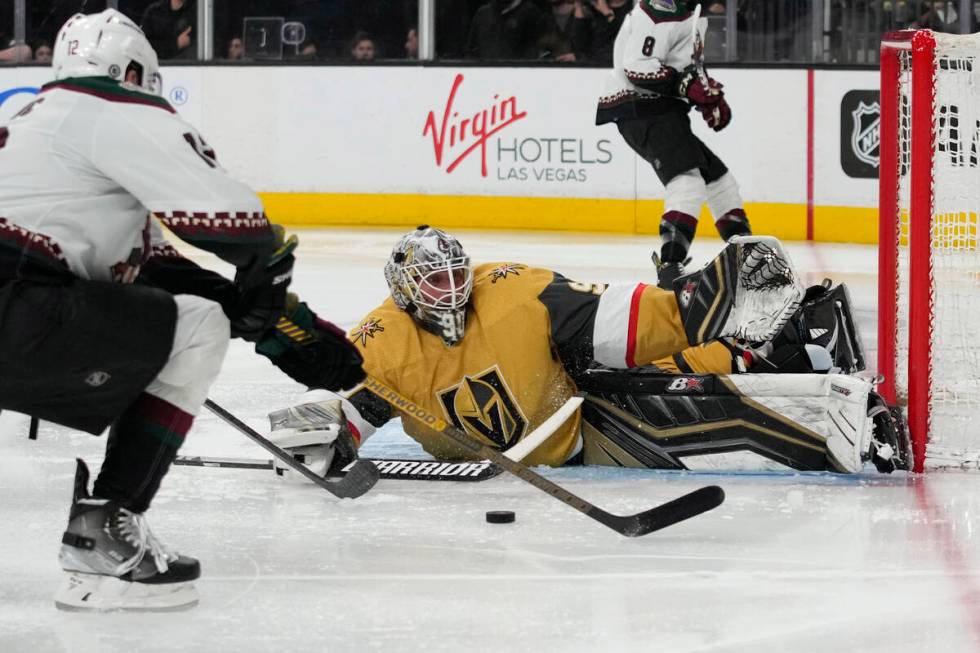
97 593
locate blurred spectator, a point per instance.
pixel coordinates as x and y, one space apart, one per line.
715 9
11 52
412 43
453 22
558 42
169 26
43 52
306 50
594 28
508 29
386 20
363 47
941 16
236 49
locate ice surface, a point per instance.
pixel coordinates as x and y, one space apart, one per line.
790 562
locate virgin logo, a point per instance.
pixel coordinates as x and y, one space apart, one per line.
470 133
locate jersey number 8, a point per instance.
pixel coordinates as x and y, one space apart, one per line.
648 46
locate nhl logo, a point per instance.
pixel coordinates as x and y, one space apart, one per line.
865 133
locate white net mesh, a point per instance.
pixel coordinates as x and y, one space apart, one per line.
954 397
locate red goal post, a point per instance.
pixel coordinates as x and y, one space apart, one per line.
929 260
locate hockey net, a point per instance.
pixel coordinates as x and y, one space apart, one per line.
929 262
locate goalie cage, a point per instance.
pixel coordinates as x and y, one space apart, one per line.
929 263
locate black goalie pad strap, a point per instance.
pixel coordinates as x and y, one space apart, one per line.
78 541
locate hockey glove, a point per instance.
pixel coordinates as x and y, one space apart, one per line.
691 87
262 302
717 116
708 98
312 351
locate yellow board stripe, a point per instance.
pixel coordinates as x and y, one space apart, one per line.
785 221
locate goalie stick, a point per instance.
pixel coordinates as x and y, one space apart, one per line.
648 521
421 470
361 477
401 469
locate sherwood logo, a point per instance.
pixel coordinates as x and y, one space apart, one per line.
457 138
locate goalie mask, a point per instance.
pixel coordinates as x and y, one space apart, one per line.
107 44
429 276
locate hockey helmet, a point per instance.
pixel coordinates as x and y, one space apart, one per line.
105 44
430 277
669 8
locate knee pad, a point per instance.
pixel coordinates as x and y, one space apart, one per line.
200 342
723 196
685 193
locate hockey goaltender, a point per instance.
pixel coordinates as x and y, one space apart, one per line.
737 367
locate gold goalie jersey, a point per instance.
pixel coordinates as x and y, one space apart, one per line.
528 331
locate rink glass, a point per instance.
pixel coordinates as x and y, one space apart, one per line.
274 31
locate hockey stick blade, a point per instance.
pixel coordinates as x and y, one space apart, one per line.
684 507
648 521
361 477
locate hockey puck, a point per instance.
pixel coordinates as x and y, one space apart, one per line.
501 516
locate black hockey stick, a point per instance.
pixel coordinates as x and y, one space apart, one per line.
361 477
648 521
399 469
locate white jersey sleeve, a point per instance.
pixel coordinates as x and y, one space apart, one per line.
165 164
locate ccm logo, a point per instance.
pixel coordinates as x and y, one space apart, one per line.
840 390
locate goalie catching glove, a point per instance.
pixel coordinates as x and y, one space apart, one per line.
312 351
316 434
749 291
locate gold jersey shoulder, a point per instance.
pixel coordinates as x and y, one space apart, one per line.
499 383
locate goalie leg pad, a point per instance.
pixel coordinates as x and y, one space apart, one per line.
826 319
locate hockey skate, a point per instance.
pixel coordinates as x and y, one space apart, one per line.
668 271
749 291
114 562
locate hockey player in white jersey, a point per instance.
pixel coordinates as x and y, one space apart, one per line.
656 78
102 323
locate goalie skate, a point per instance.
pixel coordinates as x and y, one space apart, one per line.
114 562
749 291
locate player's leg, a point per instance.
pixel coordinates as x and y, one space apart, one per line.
667 143
683 196
724 198
87 355
143 443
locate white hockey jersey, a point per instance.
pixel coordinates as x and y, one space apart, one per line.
84 166
649 52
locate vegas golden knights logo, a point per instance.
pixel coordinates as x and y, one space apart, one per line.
483 404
